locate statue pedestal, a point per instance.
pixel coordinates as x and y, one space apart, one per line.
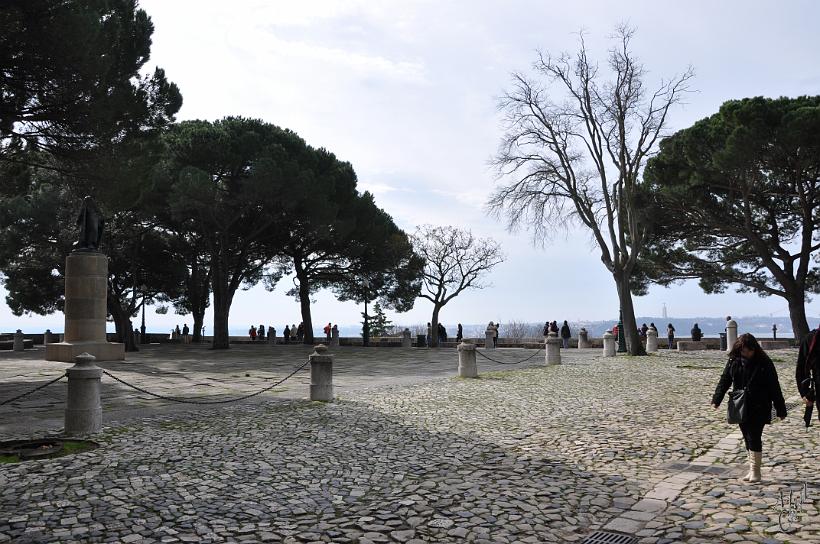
86 291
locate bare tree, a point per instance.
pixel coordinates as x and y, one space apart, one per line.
455 261
577 154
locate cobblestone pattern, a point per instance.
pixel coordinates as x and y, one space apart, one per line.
544 454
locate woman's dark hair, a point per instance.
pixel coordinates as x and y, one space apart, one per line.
749 342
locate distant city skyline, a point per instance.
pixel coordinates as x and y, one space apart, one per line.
407 93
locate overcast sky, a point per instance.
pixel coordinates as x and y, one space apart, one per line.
406 91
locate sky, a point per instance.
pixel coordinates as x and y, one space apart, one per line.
407 91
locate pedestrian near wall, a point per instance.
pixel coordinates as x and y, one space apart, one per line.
327 332
261 332
697 334
566 334
808 366
670 335
186 339
286 334
750 371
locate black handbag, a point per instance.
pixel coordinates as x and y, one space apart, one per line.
737 408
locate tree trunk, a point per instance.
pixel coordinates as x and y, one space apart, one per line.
304 303
122 324
797 313
199 319
434 326
222 308
633 339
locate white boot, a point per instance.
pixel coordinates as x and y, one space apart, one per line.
756 460
750 462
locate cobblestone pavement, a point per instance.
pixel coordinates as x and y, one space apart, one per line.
541 454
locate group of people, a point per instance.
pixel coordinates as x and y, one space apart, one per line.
564 332
441 331
696 333
291 334
751 372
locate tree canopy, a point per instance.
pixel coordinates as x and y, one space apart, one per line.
737 199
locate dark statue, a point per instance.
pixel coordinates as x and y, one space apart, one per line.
91 225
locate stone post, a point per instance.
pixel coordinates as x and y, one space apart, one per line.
583 339
652 340
48 337
272 337
321 374
467 367
553 348
334 338
609 344
86 293
18 344
489 336
406 340
83 412
731 334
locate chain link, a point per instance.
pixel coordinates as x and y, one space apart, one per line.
509 363
18 397
221 401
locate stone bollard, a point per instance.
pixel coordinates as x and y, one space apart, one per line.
18 344
489 339
731 334
583 339
321 374
83 412
553 348
48 337
406 339
467 367
272 338
334 338
609 344
652 341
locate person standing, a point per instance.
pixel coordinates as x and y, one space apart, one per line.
495 335
286 334
808 366
670 335
644 330
185 334
546 329
750 369
261 332
566 334
252 333
327 330
459 334
697 334
429 334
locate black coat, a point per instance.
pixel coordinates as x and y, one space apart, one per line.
763 391
807 368
565 333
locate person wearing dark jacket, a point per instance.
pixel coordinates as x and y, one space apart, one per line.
749 367
459 333
697 334
808 366
565 334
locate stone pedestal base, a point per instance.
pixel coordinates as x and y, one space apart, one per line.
467 367
102 351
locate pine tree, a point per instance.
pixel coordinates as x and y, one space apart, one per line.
378 322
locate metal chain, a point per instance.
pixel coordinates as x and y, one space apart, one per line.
63 375
222 401
508 363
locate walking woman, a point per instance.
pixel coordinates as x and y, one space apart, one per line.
670 333
750 369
